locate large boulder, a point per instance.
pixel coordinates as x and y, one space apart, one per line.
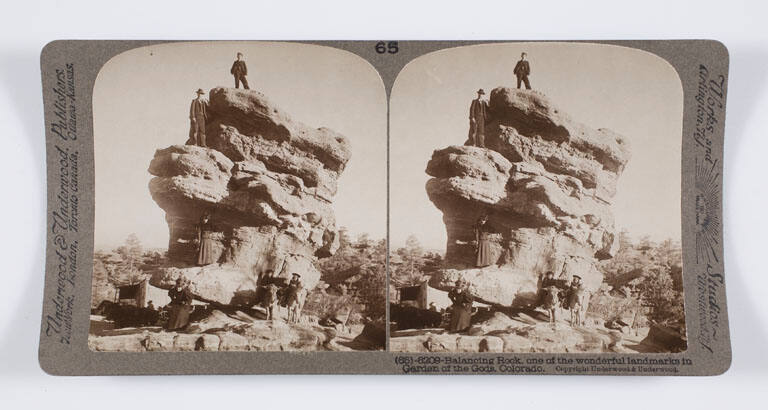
268 183
546 181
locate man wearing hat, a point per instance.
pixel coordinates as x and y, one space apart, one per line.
576 300
293 289
522 71
239 70
198 113
478 114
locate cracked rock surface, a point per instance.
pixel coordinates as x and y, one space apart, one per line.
546 181
268 182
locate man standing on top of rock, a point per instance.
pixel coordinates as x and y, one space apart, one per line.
198 113
239 70
478 114
522 71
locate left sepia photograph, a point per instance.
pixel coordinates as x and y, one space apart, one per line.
240 200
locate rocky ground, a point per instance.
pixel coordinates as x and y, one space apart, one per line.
235 332
521 331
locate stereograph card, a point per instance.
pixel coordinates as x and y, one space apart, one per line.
384 207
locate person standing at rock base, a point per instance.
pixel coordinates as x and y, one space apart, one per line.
576 300
205 241
546 282
483 231
240 70
461 311
292 291
522 71
180 305
198 114
478 114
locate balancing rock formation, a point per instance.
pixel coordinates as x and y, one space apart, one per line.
546 182
268 183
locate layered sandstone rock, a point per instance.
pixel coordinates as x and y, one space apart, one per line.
268 183
546 182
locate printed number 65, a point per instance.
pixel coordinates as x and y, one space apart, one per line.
389 47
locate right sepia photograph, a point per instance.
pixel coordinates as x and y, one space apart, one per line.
535 201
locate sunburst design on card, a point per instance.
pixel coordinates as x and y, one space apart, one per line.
708 222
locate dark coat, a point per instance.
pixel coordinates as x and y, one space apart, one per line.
522 69
198 109
180 297
292 291
572 295
461 312
180 308
239 68
478 111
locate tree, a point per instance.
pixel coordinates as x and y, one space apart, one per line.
131 251
653 274
356 279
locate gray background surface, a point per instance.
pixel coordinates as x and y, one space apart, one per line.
739 24
74 358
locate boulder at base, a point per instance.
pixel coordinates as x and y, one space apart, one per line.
520 333
267 182
221 332
546 182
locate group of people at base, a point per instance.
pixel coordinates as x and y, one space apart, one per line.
479 115
569 297
198 110
180 306
462 299
273 292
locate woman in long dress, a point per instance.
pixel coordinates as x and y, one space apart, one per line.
205 240
181 305
461 311
483 232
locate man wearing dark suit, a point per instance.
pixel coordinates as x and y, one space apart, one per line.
239 70
522 71
198 113
478 114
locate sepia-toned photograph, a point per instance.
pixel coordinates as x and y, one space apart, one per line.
535 201
240 200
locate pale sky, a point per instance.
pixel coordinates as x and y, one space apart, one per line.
632 92
141 103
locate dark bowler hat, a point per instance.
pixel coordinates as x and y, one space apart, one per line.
481 91
296 275
577 276
200 91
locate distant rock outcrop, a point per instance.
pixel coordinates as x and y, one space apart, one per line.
268 183
546 182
